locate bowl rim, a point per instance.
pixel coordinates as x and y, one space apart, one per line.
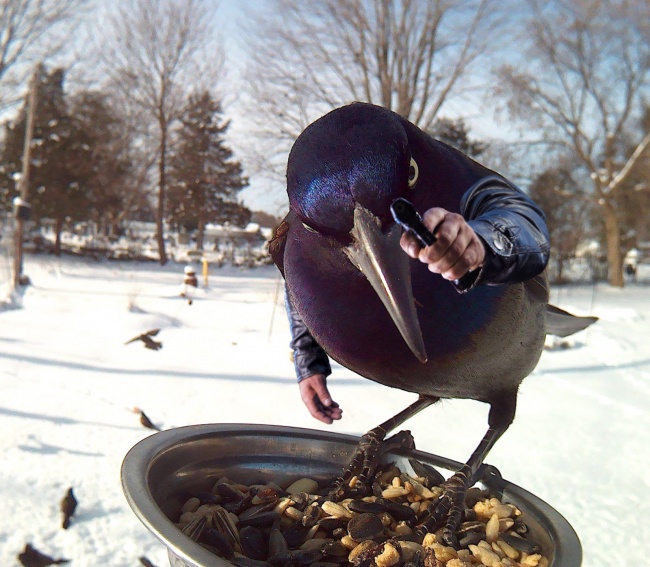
138 461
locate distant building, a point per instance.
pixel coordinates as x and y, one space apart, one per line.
220 235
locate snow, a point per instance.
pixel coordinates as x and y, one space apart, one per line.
68 386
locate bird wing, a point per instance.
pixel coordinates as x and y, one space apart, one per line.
144 420
562 323
138 338
558 322
278 243
537 288
144 336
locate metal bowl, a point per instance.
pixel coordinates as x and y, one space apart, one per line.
162 471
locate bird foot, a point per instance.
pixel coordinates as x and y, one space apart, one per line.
448 511
364 462
450 508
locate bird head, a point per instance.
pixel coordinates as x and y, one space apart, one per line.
344 171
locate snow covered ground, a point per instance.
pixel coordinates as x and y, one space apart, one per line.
68 386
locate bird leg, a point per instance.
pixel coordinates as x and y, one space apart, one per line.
371 446
449 508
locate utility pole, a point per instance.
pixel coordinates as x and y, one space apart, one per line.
22 209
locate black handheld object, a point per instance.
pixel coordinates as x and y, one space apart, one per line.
405 214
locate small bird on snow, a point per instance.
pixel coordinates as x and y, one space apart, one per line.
68 506
144 420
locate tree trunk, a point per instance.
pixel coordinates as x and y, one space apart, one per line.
58 227
160 216
613 238
199 234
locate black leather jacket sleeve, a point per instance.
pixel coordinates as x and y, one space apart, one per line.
309 358
516 239
513 229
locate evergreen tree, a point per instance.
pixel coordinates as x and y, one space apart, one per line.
456 134
61 158
11 162
205 178
111 189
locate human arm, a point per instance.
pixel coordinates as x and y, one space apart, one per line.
499 236
312 368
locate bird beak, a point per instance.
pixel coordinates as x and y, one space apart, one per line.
380 258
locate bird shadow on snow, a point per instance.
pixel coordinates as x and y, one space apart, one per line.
77 292
93 512
172 321
28 415
47 449
158 372
59 420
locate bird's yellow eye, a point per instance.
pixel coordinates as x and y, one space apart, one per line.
413 173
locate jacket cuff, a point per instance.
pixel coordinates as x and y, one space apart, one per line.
469 281
495 263
309 363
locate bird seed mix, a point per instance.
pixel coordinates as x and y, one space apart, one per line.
262 525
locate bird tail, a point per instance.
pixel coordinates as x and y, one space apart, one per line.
562 323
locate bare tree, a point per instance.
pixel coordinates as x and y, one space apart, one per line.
32 31
582 90
157 51
406 55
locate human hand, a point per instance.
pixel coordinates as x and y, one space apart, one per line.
457 250
316 397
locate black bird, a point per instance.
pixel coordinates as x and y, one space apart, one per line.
145 561
68 506
146 422
147 339
383 314
32 557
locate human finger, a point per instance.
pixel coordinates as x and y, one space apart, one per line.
446 250
454 240
471 259
410 244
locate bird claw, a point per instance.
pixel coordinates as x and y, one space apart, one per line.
491 478
449 509
401 440
365 460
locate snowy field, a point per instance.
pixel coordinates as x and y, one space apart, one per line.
68 386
